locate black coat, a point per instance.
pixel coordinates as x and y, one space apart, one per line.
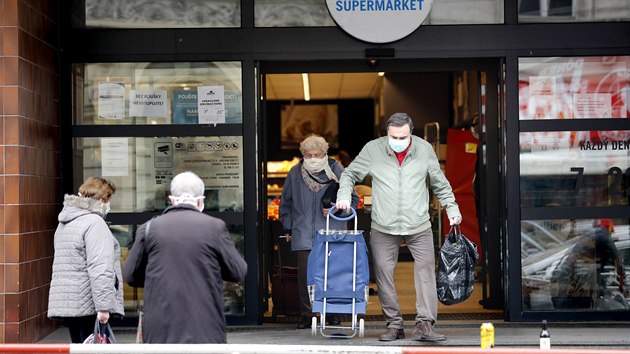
189 254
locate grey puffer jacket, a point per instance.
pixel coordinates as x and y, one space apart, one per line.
86 275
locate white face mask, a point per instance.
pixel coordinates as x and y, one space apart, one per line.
186 198
314 164
106 208
398 145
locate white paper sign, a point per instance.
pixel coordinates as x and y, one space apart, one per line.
147 103
211 104
114 157
592 105
111 100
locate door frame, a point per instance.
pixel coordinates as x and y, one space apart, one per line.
490 220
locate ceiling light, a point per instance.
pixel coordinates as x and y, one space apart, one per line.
307 90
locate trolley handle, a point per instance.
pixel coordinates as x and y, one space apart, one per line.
330 214
347 218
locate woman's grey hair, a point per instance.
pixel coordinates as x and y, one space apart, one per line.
399 120
313 142
187 182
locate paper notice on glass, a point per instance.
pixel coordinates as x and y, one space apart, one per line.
211 104
592 105
111 100
163 154
147 103
114 156
184 107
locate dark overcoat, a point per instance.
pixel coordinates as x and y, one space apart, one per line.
188 255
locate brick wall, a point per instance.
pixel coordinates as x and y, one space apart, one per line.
29 169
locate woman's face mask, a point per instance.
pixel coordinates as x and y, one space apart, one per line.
106 208
315 164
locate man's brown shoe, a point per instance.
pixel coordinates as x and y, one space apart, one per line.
392 334
423 331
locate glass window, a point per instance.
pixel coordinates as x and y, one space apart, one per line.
233 294
573 11
158 93
465 12
162 13
574 87
142 168
311 13
575 168
575 265
291 13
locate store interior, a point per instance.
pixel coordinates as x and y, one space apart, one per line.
350 109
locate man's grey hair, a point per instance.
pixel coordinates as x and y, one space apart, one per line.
313 142
399 120
187 182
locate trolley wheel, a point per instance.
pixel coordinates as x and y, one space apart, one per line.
361 328
314 326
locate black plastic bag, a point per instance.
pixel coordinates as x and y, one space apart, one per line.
456 268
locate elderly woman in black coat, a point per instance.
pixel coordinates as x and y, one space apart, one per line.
181 259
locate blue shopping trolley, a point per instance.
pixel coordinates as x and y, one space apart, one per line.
338 276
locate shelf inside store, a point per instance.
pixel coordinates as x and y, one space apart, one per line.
276 174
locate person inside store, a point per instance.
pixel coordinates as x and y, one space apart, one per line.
86 280
344 158
402 167
304 204
181 258
579 279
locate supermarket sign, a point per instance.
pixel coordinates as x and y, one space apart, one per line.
379 21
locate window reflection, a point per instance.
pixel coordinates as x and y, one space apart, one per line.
156 93
575 264
233 294
162 13
574 87
572 11
575 168
143 170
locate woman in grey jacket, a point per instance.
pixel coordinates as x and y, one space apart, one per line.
86 276
302 213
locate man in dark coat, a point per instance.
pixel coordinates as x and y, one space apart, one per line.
181 262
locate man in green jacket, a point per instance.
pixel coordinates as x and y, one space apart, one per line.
402 166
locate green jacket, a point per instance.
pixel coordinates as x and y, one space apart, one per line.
400 196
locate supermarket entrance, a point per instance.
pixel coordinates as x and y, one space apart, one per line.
454 105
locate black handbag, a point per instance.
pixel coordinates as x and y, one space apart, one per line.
456 267
330 195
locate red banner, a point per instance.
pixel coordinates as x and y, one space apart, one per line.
461 159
